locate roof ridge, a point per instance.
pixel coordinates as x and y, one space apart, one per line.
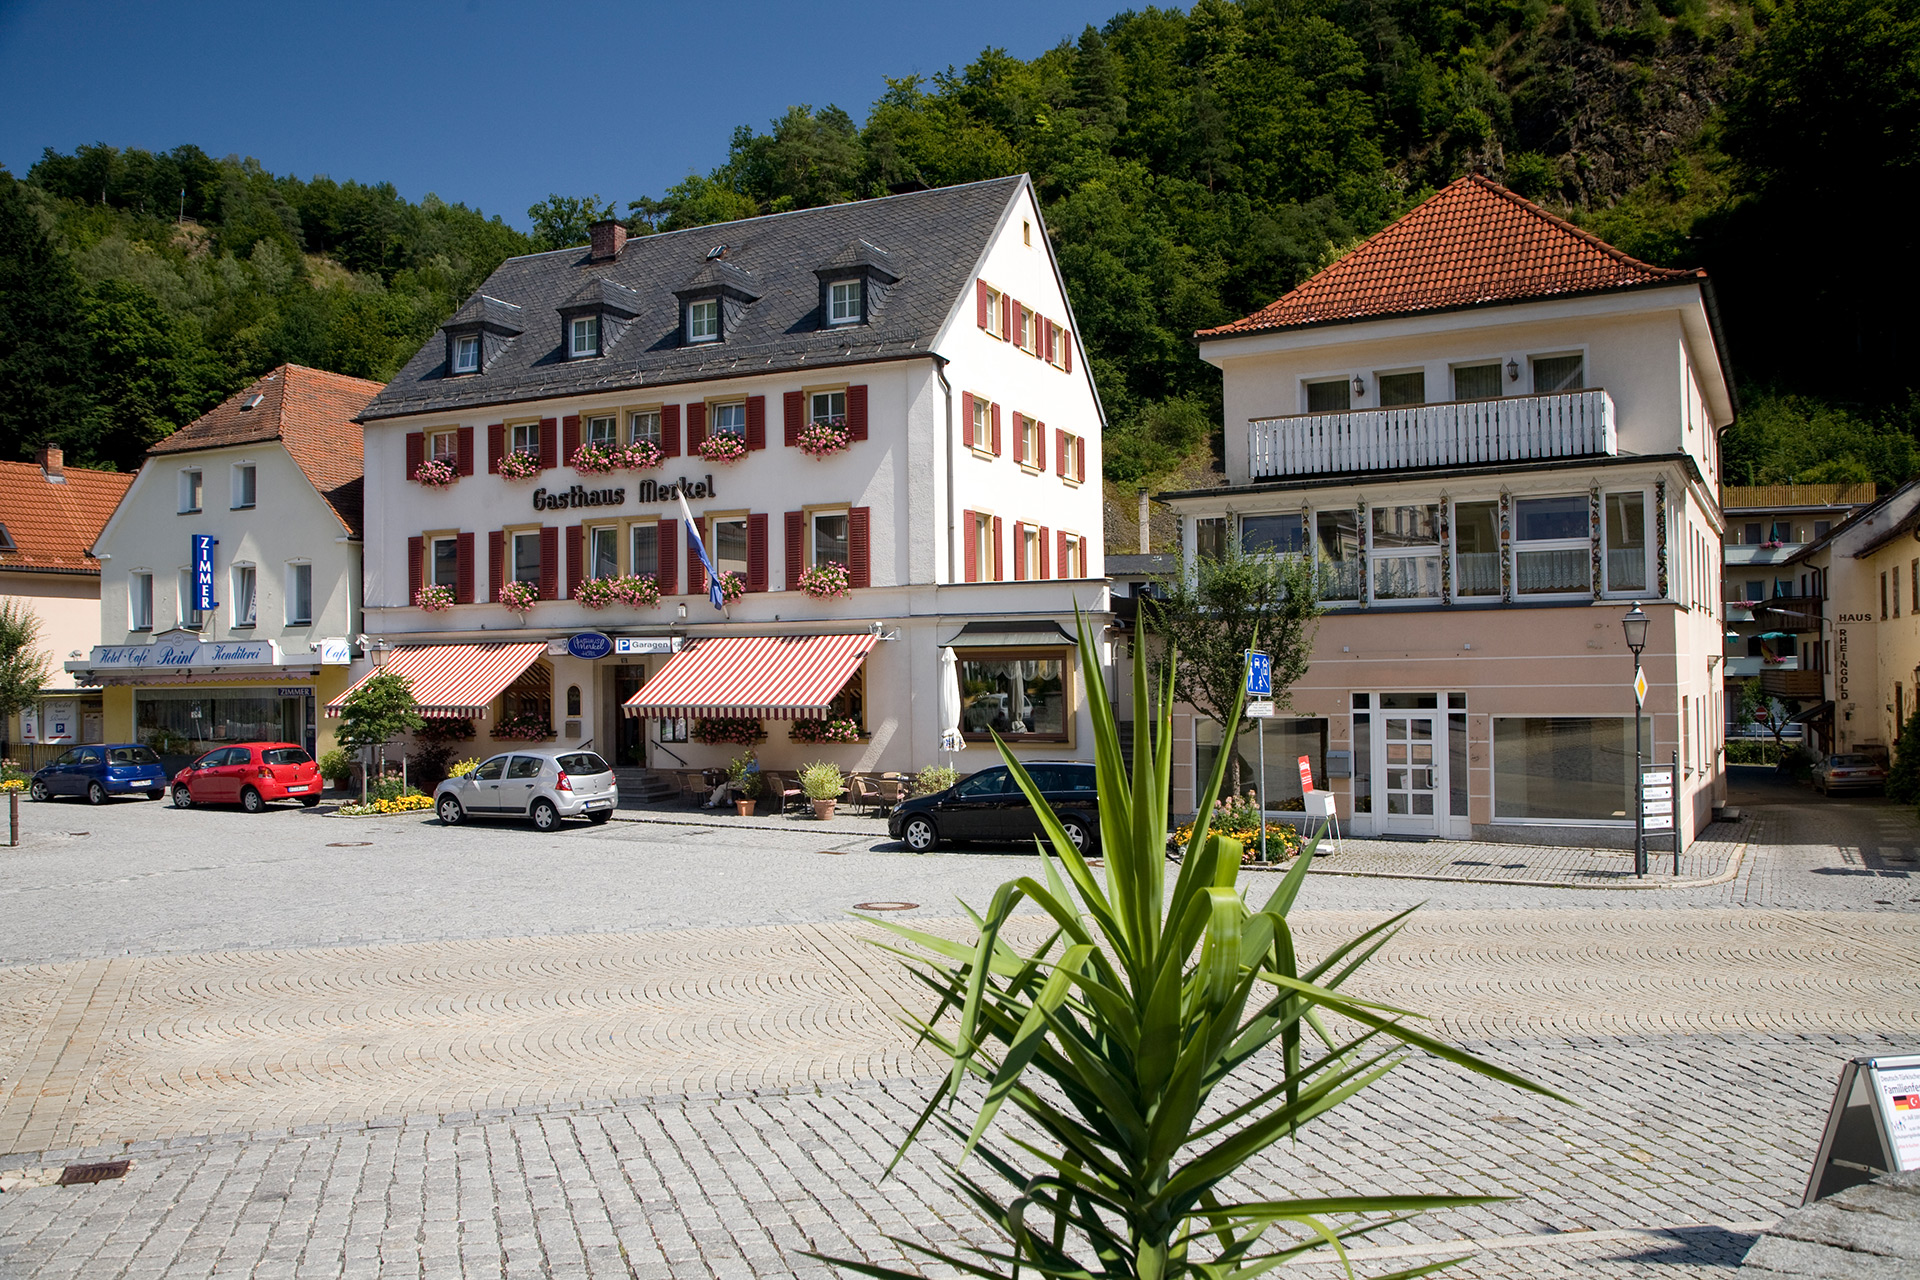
1541 211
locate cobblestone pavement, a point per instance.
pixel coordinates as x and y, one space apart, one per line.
655 1050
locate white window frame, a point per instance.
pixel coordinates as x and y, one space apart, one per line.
813 532
430 569
729 406
703 320
846 301
996 313
245 581
140 600
294 568
1436 550
1515 546
451 440
245 476
192 490
983 546
633 557
1030 552
612 421
1029 331
1646 545
816 399
191 619
594 533
982 426
1068 464
575 327
513 557
650 418
466 353
1027 444
713 524
1075 557
1535 357
531 430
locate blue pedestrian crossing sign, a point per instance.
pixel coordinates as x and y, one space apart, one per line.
1259 675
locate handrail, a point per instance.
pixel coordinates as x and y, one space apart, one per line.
670 751
1449 433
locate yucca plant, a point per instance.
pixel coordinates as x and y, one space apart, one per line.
1112 1036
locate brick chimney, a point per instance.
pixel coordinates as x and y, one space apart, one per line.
609 237
52 464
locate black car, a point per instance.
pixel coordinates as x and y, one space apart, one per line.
989 805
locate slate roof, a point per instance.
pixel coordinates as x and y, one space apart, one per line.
1474 243
52 527
932 240
311 412
480 309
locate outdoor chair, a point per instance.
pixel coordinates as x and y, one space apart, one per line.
866 794
889 792
788 789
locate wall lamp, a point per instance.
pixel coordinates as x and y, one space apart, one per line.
1359 385
1513 370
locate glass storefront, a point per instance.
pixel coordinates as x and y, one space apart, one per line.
187 720
1015 695
1564 769
1287 741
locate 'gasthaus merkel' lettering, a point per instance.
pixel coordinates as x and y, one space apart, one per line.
644 491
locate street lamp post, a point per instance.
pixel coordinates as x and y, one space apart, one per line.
1635 627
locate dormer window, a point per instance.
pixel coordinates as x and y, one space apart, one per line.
479 331
466 353
845 299
583 337
6 540
703 320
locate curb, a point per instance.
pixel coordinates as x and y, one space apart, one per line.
1735 861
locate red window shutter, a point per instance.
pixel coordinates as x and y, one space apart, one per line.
570 436
1046 570
791 406
576 554
416 452
757 425
1040 445
1019 330
1080 458
857 411
416 567
550 562
860 547
670 432
796 548
1059 451
496 564
966 419
496 447
1066 350
1019 551
983 298
757 551
696 427
696 572
970 530
549 443
464 450
669 579
1046 338
999 562
1060 558
463 569
1006 317
996 430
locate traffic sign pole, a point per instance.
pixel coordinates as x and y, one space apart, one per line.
1260 685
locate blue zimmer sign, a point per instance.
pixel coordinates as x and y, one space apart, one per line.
590 645
1259 675
203 545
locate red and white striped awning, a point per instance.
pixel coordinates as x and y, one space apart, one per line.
451 680
757 677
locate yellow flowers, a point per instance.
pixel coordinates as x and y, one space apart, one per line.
14 784
1282 840
463 768
404 804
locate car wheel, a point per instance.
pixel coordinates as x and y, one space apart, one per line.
252 801
920 835
96 794
39 790
1078 833
451 814
308 802
182 798
157 794
545 816
600 817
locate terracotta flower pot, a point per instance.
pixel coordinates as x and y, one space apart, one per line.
744 807
823 809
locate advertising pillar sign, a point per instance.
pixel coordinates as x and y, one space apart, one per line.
203 545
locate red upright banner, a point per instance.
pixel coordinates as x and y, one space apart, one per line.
1306 775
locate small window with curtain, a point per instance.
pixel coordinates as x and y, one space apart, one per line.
1073 556
1558 373
603 551
703 320
443 564
643 426
646 550
1551 551
1333 395
526 557
1338 544
243 588
466 354
845 301
829 408
140 602
1406 552
1476 549
730 419
245 478
443 446
1476 382
729 546
524 437
1029 440
299 594
1625 529
583 336
829 530
601 429
982 425
1402 388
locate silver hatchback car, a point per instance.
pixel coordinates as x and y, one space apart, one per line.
543 785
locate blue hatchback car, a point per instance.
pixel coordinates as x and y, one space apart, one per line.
97 772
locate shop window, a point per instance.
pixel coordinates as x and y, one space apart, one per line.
1406 552
1564 769
1017 694
1337 534
530 695
671 729
190 721
646 550
1283 535
1551 552
1626 536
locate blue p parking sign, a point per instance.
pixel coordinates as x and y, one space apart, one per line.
1259 675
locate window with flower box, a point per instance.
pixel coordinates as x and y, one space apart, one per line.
729 418
524 437
828 408
643 426
443 561
601 429
603 551
526 557
645 541
444 446
828 538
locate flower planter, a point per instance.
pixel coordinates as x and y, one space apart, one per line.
744 807
823 809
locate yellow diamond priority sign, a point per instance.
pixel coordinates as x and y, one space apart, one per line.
1640 688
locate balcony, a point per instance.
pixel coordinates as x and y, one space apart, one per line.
1791 613
1787 681
1572 424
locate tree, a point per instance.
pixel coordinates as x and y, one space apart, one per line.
1903 775
377 712
1216 610
24 667
45 373
560 222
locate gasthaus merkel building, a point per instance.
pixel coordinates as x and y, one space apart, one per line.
877 414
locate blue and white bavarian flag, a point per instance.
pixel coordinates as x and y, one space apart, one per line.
699 545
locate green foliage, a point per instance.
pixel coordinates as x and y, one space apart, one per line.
429 764
822 781
1789 439
336 766
25 668
1752 751
378 711
1903 775
934 779
1111 1037
560 222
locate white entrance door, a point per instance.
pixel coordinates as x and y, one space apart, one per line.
1413 799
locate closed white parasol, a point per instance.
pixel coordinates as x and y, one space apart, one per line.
950 702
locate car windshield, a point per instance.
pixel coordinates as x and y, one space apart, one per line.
583 763
132 755
211 759
490 771
285 755
1851 762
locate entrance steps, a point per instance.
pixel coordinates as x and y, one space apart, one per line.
643 785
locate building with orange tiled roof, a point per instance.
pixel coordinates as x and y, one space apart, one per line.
230 589
1495 433
50 515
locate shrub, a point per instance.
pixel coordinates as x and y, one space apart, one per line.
391 785
1903 773
428 766
336 766
464 767
934 779
822 781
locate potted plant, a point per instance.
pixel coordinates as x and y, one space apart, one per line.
823 784
744 776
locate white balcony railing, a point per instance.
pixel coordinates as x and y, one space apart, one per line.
1571 424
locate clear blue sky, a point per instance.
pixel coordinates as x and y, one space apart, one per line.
479 101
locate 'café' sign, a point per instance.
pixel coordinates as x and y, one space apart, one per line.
643 491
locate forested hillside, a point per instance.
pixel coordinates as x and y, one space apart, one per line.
1193 166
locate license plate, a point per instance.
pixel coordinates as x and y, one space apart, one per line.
293 789
599 804
143 782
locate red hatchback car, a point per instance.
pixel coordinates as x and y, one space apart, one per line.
249 775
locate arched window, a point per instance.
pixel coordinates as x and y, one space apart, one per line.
573 699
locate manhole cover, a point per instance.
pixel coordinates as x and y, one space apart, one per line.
885 906
102 1171
349 844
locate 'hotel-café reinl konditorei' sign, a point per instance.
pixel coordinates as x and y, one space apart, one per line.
164 655
643 491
